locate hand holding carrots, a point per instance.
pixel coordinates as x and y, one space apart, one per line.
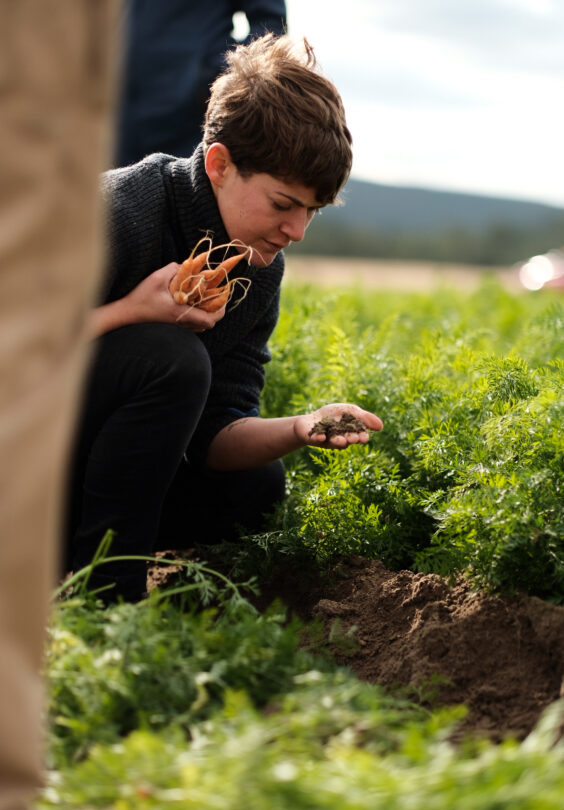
193 294
151 301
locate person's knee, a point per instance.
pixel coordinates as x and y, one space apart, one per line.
182 356
190 371
161 355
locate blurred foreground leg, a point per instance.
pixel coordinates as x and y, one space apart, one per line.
54 141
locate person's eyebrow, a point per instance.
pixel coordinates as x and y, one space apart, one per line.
297 201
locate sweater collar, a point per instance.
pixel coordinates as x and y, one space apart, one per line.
196 213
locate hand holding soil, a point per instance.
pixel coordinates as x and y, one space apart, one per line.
338 425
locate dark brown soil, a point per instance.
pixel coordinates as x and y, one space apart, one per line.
338 427
502 657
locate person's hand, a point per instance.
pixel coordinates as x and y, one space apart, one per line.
152 301
304 424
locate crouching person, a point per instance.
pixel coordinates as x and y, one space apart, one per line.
171 448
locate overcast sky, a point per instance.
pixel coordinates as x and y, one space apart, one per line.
454 94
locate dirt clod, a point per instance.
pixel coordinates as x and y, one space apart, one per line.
338 427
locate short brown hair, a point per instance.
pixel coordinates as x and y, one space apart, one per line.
277 114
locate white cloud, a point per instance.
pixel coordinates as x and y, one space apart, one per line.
461 95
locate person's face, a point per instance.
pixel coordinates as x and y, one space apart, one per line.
262 212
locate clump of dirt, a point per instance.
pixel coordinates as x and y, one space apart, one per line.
348 423
502 657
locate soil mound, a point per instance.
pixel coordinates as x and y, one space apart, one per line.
502 657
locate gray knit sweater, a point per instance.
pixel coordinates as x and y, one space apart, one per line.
158 209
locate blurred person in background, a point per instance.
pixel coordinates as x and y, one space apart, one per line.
174 51
54 127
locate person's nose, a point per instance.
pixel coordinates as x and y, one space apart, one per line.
295 224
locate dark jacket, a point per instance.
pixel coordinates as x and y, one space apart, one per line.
158 209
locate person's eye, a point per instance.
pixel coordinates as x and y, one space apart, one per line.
279 207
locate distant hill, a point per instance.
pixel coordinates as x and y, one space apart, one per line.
402 222
404 208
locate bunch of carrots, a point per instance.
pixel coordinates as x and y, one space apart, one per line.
199 284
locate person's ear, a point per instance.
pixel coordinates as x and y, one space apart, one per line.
218 163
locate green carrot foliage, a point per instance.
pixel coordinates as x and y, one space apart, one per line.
467 475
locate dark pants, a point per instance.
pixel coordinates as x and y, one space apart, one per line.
145 395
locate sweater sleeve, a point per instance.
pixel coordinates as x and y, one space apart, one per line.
237 383
136 212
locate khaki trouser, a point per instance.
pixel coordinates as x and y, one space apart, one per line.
54 112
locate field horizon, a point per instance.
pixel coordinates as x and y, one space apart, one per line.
395 274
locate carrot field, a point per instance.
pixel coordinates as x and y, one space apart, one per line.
357 654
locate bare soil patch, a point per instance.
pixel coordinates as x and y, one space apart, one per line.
502 657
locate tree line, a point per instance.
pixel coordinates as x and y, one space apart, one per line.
500 244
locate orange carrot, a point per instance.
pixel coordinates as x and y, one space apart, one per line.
214 302
191 283
189 268
192 290
229 264
213 278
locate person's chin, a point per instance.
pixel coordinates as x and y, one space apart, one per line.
264 255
